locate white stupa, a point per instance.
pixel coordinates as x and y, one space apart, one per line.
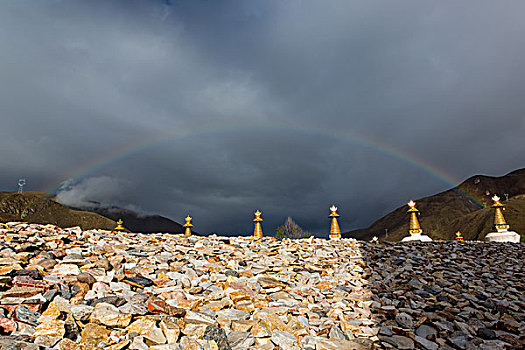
414 228
502 233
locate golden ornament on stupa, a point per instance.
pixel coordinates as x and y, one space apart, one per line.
119 227
414 227
187 226
335 232
499 221
257 232
459 237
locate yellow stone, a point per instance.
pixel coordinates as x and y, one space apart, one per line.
155 336
264 344
189 344
142 326
171 330
68 344
119 346
246 273
335 344
195 330
185 304
294 324
213 345
231 279
92 334
323 285
350 327
77 300
243 325
238 296
54 328
260 331
51 313
109 315
271 322
259 304
177 263
245 306
6 269
194 305
301 333
217 305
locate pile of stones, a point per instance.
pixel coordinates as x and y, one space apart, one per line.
448 295
74 289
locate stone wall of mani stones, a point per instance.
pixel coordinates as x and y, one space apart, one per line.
74 289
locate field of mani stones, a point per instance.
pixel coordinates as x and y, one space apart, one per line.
73 289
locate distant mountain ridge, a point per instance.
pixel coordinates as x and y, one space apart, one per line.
136 222
41 208
465 207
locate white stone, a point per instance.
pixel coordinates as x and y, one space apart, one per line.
417 237
81 311
505 236
156 336
65 270
284 340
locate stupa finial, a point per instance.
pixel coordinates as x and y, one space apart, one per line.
499 221
502 233
414 230
257 232
120 226
187 226
414 227
335 232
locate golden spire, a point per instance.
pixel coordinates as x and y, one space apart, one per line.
499 221
459 237
335 232
187 226
257 232
414 227
119 227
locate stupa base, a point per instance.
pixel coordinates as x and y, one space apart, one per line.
507 236
417 237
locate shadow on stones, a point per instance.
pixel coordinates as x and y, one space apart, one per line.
447 295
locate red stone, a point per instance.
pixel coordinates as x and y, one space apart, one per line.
11 308
7 325
58 253
26 281
157 305
34 307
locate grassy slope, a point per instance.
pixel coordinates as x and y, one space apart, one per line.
445 213
38 207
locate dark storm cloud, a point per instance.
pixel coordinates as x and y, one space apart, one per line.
255 101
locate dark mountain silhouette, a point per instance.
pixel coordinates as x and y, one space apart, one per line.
136 222
39 207
465 208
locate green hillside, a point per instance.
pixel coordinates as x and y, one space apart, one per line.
465 208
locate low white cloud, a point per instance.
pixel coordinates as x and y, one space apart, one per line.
97 191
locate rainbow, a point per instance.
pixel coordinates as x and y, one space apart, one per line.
90 168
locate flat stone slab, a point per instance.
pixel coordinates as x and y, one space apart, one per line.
507 236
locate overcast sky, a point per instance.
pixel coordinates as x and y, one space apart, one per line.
220 108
